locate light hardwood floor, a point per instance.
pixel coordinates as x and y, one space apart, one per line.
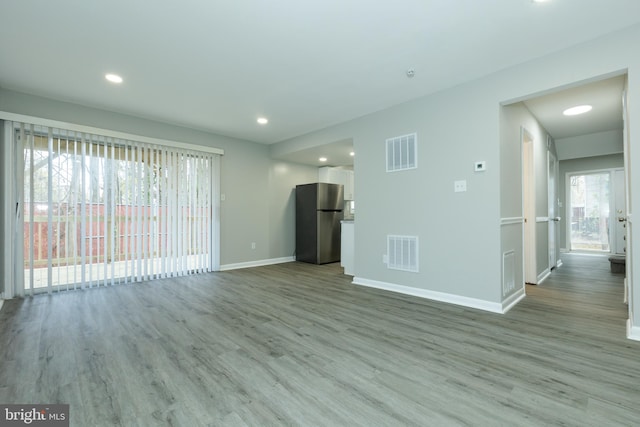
297 344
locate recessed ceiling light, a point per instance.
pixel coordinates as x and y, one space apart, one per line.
113 78
580 109
262 120
323 159
352 154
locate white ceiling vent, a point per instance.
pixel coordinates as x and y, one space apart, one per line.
402 152
402 252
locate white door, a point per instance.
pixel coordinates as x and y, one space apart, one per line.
553 210
619 218
628 281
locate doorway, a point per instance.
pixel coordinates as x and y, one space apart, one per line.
589 201
596 211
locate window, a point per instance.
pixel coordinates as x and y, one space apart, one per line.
99 210
589 211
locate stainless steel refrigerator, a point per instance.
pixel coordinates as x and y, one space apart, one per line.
318 215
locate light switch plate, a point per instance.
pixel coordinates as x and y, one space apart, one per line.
460 186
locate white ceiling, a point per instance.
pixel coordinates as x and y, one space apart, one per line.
605 96
337 153
218 65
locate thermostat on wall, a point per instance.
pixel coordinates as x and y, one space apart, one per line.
480 166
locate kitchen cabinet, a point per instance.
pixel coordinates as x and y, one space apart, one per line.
338 176
348 185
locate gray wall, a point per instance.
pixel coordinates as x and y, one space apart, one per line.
460 233
252 188
4 208
283 178
458 250
595 144
611 161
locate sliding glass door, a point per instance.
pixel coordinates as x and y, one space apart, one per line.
99 211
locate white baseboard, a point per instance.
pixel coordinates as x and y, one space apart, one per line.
431 295
543 276
633 332
1 303
514 299
258 263
564 250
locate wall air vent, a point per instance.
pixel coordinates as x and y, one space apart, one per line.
402 253
402 153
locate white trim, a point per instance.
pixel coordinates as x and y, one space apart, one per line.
511 221
431 295
1 303
559 263
633 332
564 250
4 115
542 219
543 276
258 263
513 299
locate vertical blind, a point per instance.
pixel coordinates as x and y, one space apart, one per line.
101 210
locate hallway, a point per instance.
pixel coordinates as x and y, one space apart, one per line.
583 291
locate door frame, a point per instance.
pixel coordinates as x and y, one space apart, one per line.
528 207
552 195
632 330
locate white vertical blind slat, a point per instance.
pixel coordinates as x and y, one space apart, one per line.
127 216
113 235
138 220
106 209
31 210
74 201
146 185
90 214
162 214
83 211
175 217
200 214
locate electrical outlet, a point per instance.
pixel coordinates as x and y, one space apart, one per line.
460 186
253 245
480 166
222 197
